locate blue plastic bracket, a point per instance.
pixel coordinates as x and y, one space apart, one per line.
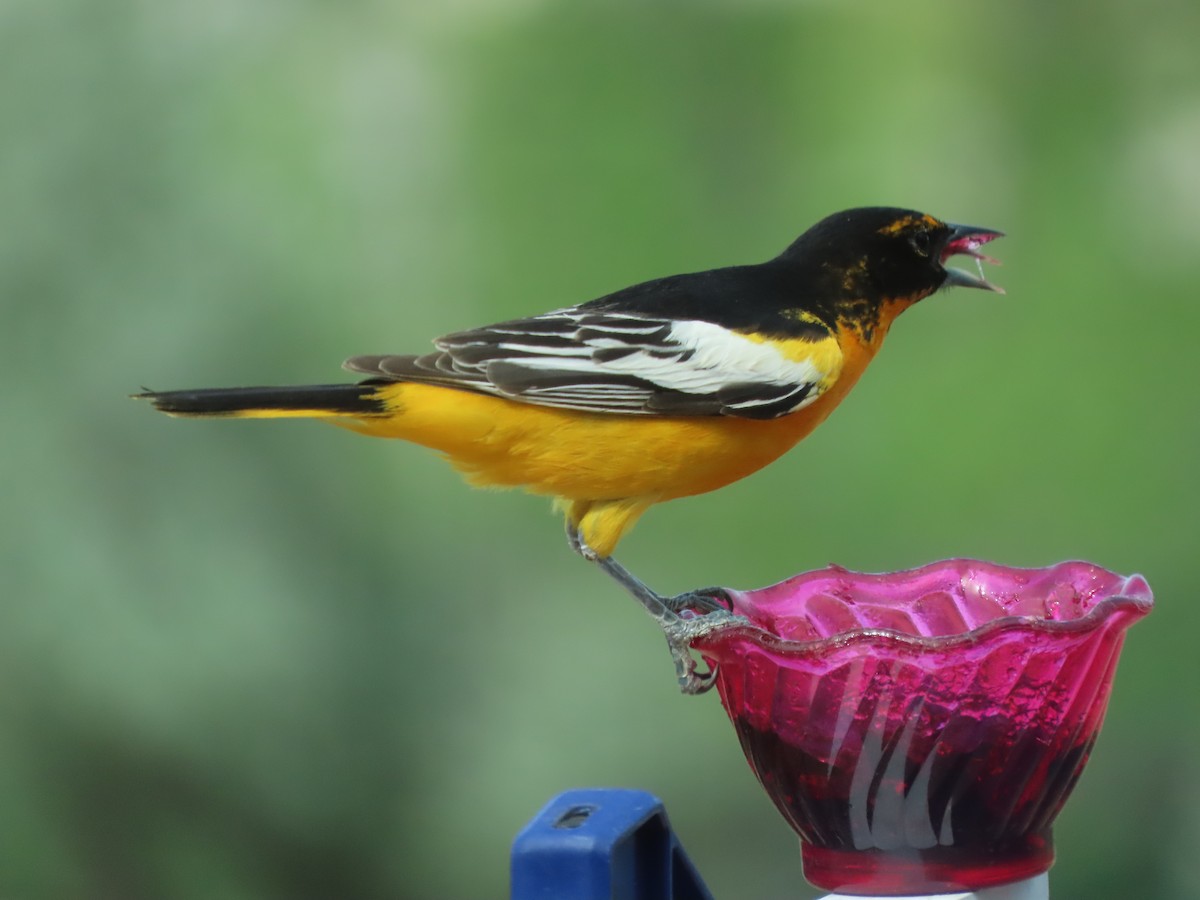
603 844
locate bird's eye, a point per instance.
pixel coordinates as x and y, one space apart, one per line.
920 243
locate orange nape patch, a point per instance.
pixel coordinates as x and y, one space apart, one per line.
906 223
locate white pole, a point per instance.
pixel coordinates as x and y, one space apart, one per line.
1036 888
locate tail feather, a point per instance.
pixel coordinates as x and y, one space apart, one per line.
319 400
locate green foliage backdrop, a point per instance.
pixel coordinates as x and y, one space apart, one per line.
278 660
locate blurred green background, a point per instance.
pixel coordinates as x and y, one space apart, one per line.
249 660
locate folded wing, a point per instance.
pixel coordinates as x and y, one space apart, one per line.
625 363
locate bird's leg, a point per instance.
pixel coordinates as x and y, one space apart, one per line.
662 609
679 630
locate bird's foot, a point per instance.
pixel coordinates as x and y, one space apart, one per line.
664 610
700 602
683 618
680 636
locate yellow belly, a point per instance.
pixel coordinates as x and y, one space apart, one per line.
578 455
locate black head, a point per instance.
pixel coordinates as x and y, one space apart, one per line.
880 253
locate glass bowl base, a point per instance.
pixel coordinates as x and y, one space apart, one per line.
936 870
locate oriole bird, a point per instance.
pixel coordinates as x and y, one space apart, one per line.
665 389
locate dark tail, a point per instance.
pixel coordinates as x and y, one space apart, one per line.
308 401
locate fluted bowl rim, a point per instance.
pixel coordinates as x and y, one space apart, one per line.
1124 593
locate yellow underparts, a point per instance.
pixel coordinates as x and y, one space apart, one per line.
605 470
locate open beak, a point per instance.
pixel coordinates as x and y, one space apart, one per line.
966 240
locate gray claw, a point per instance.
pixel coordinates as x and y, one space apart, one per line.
679 640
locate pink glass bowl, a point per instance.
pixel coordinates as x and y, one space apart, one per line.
921 730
